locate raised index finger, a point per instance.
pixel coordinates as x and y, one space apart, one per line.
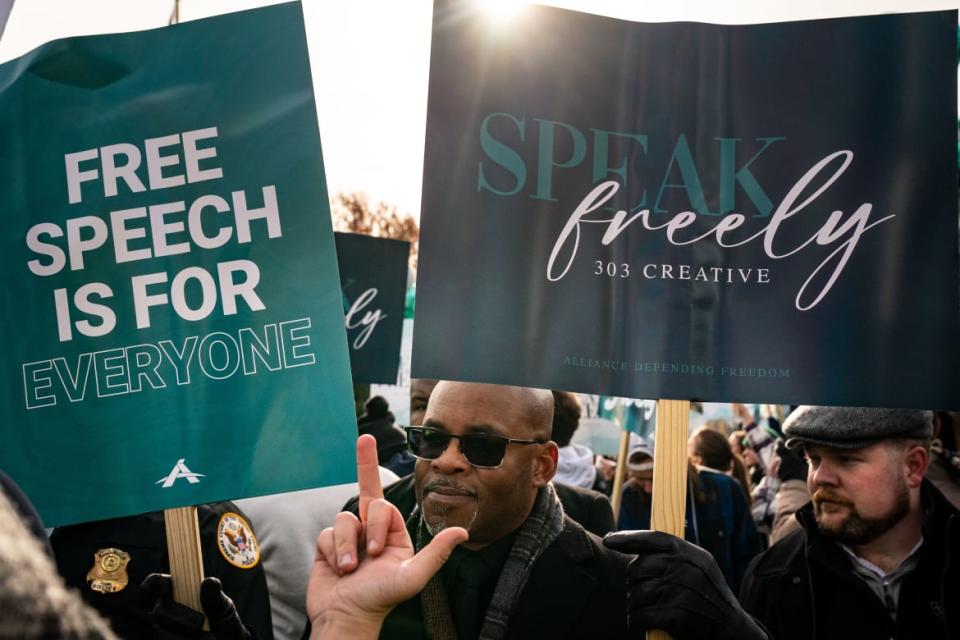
368 473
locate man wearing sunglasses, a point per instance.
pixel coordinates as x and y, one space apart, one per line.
484 463
523 569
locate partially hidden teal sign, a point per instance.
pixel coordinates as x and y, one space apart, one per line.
171 315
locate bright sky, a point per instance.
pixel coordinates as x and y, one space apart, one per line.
370 62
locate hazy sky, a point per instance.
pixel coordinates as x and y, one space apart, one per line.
370 61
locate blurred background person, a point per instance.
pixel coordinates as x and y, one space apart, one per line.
575 466
378 421
637 491
24 508
719 425
34 602
420 390
606 471
758 440
717 517
736 441
710 449
944 470
792 494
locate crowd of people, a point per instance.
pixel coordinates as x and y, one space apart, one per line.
483 519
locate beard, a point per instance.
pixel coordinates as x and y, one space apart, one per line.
441 518
854 529
438 516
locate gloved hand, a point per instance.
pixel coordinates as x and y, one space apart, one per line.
174 620
677 587
792 464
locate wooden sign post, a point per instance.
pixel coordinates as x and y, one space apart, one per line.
669 506
621 470
183 528
620 474
183 549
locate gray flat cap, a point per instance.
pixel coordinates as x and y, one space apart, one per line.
854 427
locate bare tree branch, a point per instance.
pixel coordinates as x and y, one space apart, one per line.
356 213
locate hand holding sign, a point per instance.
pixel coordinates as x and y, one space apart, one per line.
678 587
365 567
170 617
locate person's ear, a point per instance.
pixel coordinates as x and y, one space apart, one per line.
545 463
915 463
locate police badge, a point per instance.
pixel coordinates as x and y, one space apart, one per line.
236 541
109 572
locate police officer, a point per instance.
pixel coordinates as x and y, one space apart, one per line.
108 561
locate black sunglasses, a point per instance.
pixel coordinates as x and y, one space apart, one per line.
485 450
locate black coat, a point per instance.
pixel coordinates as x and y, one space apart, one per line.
803 587
390 438
588 508
144 538
577 589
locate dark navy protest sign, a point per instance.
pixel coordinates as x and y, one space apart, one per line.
373 279
681 210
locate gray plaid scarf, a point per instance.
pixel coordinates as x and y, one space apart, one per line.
541 528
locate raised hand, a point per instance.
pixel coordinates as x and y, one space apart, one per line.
365 567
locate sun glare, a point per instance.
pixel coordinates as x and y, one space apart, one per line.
502 10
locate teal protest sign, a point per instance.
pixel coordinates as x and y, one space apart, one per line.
171 307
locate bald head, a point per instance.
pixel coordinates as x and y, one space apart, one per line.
490 500
526 412
420 390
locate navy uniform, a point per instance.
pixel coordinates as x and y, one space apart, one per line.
107 560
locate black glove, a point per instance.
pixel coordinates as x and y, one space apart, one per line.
792 465
677 587
173 620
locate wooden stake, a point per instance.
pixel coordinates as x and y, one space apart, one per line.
183 549
621 471
668 510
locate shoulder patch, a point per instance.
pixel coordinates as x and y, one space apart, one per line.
236 541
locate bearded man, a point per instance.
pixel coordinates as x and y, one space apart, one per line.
877 555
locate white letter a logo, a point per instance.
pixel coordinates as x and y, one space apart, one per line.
180 471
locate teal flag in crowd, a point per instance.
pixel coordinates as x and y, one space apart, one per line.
637 416
171 314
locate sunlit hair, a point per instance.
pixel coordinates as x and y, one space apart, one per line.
719 424
713 448
34 602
